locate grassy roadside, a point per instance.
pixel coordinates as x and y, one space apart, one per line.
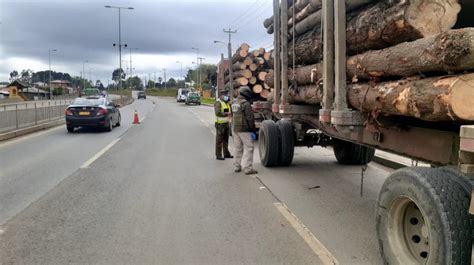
124 92
209 101
169 92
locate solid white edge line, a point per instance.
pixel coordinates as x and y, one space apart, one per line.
99 154
318 248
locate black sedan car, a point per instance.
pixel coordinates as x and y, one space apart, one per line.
141 94
97 112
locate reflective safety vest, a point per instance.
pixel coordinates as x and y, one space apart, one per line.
225 108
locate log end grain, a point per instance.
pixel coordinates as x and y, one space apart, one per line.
245 47
265 93
460 99
247 73
248 61
445 12
253 67
257 89
252 80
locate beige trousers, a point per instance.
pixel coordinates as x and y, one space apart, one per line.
243 144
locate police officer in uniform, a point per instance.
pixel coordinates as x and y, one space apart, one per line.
223 113
244 132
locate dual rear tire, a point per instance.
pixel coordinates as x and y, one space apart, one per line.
276 143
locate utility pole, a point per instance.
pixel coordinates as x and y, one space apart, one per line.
164 75
90 76
50 88
84 74
120 42
230 32
197 64
200 72
131 68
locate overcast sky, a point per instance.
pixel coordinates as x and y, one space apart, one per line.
164 31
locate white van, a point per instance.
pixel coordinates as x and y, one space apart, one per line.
182 94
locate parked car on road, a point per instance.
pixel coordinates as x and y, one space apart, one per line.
193 98
95 111
141 95
182 93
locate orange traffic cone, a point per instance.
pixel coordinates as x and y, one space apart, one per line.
136 120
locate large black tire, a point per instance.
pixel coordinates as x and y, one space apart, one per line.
109 126
422 217
269 144
119 121
348 153
287 143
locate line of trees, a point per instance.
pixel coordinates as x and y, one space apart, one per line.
208 75
30 77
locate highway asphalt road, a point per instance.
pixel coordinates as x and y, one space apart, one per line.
158 196
32 165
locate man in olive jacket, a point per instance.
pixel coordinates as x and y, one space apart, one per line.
244 128
223 113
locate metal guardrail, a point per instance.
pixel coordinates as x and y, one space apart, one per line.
14 116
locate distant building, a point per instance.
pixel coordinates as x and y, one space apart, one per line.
4 93
40 84
60 84
222 67
18 90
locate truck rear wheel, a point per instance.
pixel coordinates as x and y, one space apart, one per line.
422 217
287 143
269 144
348 153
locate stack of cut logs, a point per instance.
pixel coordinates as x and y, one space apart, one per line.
250 68
405 57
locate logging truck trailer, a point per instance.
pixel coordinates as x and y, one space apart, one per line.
423 215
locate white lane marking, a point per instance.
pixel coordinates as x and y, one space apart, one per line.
318 248
262 188
2 231
209 126
99 154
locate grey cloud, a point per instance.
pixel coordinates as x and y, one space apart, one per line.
85 29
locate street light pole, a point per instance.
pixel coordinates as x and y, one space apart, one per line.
50 89
230 32
120 41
